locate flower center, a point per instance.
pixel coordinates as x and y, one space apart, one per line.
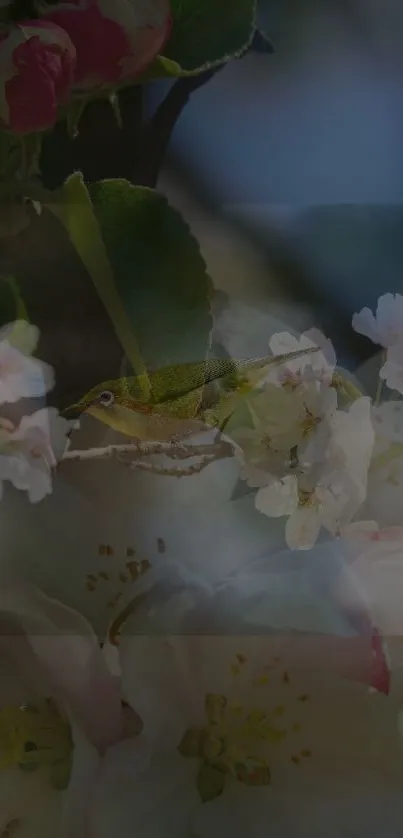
306 499
34 736
115 580
234 739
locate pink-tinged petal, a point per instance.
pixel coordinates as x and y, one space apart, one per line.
54 645
100 43
350 658
38 61
115 40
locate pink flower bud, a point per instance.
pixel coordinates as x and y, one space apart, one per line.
37 61
115 40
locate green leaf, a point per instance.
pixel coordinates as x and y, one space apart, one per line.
209 32
210 782
159 272
74 210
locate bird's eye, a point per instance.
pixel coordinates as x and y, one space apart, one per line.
106 398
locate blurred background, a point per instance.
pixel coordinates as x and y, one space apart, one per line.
289 169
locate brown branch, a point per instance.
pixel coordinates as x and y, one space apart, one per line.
196 468
129 455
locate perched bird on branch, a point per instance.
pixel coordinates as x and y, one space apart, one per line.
183 399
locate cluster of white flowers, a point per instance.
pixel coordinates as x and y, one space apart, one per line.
316 448
256 697
30 447
386 329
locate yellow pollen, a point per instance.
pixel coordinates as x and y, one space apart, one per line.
234 740
34 736
306 498
309 423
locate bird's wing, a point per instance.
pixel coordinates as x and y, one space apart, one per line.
178 380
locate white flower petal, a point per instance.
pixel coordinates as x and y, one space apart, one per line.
279 498
21 335
283 343
78 797
290 592
56 646
387 327
161 667
349 799
22 376
302 528
326 358
387 419
389 314
365 324
392 370
380 569
32 450
137 792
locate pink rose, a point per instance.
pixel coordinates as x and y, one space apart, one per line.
115 40
37 67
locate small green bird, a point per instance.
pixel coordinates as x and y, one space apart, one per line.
183 398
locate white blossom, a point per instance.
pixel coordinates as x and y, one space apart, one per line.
242 731
59 710
29 453
392 369
22 376
319 366
386 327
385 483
330 493
377 561
284 420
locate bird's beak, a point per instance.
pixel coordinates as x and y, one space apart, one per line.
74 411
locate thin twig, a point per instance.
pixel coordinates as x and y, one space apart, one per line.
196 468
98 453
173 450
